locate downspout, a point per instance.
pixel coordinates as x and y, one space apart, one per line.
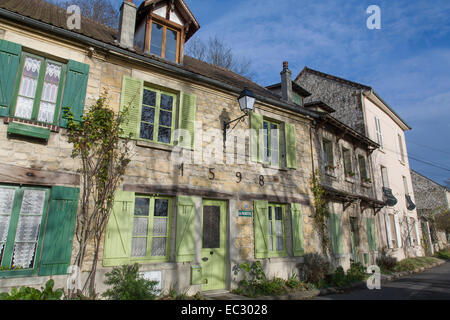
312 150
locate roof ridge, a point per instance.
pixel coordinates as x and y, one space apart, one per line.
429 179
327 75
229 70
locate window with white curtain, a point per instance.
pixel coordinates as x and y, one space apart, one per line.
39 89
22 211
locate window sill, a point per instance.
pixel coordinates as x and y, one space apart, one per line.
350 179
51 127
29 131
16 273
366 184
330 173
268 166
154 145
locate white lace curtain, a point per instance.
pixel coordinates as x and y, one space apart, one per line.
6 205
49 93
28 87
28 227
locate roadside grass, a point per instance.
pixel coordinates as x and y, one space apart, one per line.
411 264
443 254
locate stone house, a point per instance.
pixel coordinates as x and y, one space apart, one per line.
189 221
344 170
199 196
361 108
432 198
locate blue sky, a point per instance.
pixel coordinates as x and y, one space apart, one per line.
407 62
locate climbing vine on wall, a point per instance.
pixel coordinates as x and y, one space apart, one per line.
321 212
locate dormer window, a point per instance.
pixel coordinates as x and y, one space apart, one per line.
164 42
163 27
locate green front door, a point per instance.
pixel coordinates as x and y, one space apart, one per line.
213 253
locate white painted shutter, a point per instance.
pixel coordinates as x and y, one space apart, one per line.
397 231
388 230
378 130
399 154
416 224
411 238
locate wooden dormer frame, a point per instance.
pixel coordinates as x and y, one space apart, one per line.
167 24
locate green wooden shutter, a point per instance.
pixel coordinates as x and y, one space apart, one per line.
59 231
291 146
371 234
185 242
188 111
75 90
297 229
131 97
256 123
117 249
9 65
336 233
261 226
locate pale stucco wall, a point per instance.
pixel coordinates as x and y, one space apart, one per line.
388 157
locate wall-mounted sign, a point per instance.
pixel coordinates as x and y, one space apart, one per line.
245 213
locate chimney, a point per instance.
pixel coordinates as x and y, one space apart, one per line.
127 24
286 83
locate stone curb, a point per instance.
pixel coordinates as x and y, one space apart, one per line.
386 278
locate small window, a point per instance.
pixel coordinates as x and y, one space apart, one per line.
347 162
151 228
363 169
157 116
328 159
164 42
39 89
211 227
276 228
384 177
271 143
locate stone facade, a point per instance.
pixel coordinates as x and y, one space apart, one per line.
343 97
345 193
152 170
431 199
357 106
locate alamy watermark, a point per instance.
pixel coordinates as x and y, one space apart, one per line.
374 20
73 17
374 280
74 279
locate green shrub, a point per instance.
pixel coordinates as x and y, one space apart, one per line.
386 262
27 293
293 281
128 285
338 279
314 268
357 272
443 254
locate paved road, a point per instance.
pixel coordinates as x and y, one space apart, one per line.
432 284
